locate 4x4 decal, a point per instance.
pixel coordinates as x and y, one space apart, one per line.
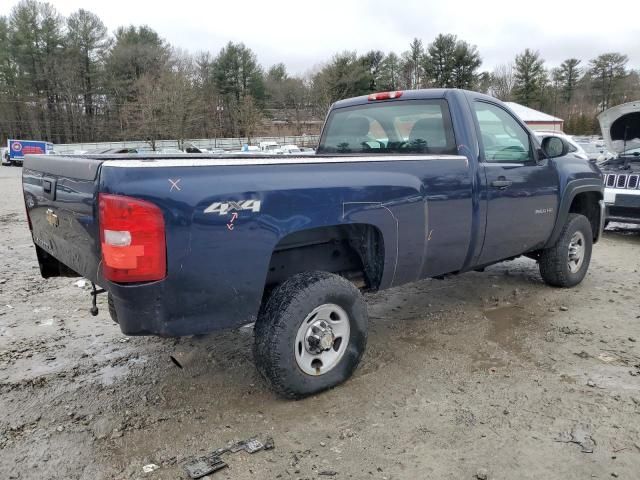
224 208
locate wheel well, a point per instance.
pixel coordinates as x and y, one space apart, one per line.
355 251
586 204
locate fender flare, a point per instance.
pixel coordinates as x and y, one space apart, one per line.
573 188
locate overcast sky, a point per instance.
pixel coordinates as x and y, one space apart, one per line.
304 34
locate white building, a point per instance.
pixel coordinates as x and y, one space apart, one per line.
535 119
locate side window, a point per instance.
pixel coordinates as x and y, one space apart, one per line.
503 139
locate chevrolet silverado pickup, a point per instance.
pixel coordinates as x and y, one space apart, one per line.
404 185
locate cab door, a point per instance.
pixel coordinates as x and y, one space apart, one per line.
521 190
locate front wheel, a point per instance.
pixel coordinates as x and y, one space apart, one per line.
566 263
311 335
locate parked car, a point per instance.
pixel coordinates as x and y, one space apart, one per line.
404 186
136 150
112 151
4 156
621 131
269 147
290 150
158 151
575 149
248 149
594 152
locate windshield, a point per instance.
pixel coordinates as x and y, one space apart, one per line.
409 126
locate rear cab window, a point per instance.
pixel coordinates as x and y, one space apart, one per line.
403 126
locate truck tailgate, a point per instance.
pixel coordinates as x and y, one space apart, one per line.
61 199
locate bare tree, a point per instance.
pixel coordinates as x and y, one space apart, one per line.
502 82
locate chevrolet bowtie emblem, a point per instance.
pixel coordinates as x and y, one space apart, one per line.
52 218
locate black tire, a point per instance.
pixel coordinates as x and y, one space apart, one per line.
112 308
278 324
554 261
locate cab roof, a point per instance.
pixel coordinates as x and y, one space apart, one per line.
421 94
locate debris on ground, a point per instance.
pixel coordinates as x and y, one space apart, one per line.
202 466
580 435
211 463
252 445
573 330
606 358
150 468
482 474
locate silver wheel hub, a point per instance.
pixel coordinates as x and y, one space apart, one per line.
322 339
319 337
576 252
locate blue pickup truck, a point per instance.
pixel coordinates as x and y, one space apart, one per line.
404 186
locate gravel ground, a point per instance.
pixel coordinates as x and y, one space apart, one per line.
486 375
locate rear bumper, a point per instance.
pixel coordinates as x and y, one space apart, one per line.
140 310
155 309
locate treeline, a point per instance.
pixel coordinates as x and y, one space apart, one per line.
71 80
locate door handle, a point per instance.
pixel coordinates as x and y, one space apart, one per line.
501 183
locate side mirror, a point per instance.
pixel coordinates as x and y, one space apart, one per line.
554 147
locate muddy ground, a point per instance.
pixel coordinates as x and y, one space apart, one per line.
485 374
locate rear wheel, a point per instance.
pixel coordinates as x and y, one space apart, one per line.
311 335
566 263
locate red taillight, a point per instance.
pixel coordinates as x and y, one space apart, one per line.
385 95
132 239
